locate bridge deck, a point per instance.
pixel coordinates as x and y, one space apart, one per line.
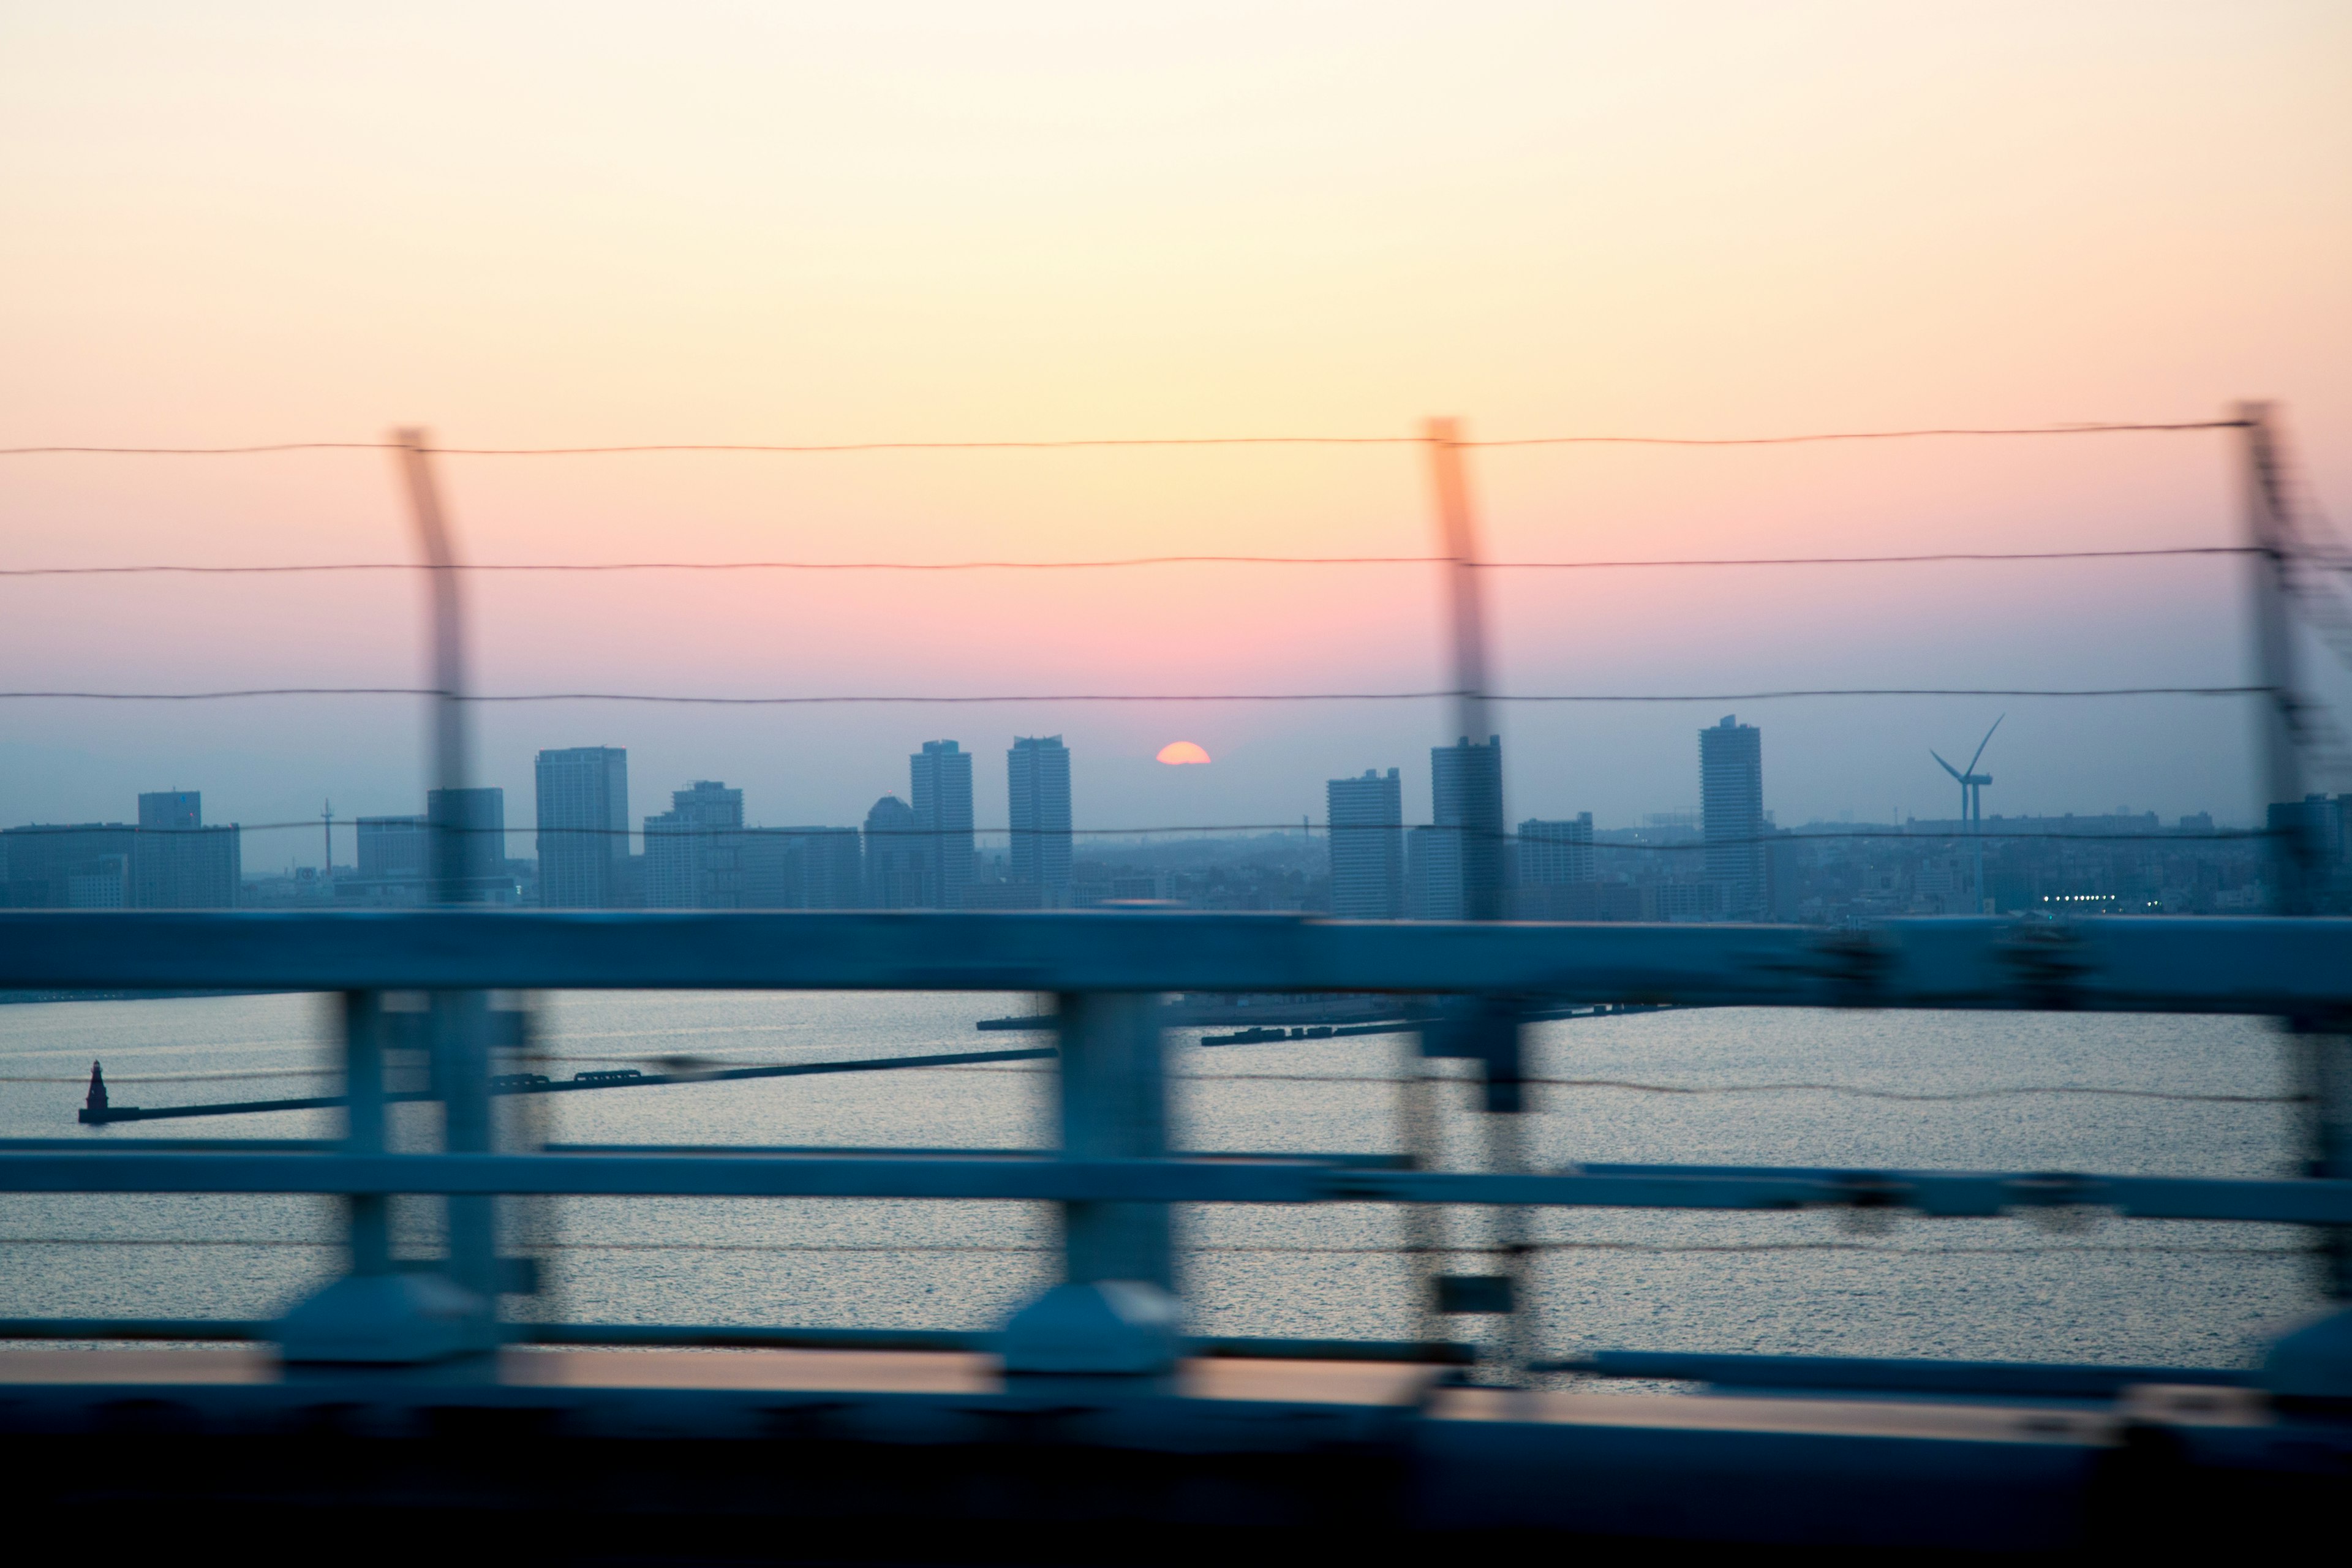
869 1446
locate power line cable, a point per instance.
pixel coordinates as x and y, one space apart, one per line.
957 700
1122 563
271 449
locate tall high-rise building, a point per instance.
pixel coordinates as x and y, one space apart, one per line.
583 827
694 851
1731 810
1037 785
942 790
178 863
1367 840
894 855
1466 786
469 827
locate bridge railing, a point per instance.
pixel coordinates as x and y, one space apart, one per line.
1115 1174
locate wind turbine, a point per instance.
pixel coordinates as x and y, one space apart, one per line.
1972 785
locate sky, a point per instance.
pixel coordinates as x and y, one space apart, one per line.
531 226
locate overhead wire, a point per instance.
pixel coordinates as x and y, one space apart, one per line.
1122 563
968 699
271 449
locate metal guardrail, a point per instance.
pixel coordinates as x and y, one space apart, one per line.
2153 964
1941 1193
1114 1175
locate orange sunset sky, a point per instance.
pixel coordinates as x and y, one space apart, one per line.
581 224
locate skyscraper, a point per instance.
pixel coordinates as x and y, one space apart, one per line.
894 855
1732 806
1367 840
1037 785
694 857
178 863
1466 786
583 827
942 790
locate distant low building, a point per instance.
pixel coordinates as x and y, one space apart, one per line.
178 863
2321 821
101 884
802 868
49 864
469 829
1555 852
1679 901
394 848
170 860
394 868
894 855
1432 873
1004 894
694 851
1555 870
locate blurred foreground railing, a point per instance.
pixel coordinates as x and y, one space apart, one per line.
1114 1174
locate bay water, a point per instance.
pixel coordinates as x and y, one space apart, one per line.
1702 1086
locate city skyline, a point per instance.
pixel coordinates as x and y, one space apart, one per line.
704 852
1688 804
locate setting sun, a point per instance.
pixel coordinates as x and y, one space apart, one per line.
1178 752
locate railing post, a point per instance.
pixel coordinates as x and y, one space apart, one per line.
2280 723
459 1021
1486 1030
370 1212
1116 1312
2316 1360
461 1076
377 1313
1114 1106
1418 1140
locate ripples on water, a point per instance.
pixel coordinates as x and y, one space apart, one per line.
2133 1291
